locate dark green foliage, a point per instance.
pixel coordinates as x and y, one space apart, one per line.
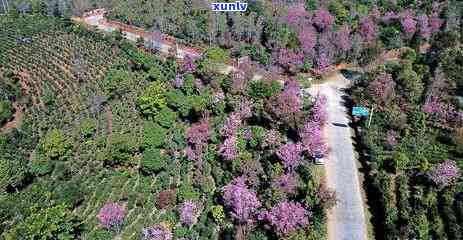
165 117
40 165
55 222
177 100
12 172
70 193
121 150
55 145
452 63
6 111
187 192
117 82
152 99
87 127
259 89
153 160
384 184
153 135
214 57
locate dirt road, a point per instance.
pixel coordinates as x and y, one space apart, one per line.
346 220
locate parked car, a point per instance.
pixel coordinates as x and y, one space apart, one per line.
319 158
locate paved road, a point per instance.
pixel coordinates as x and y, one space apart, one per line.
347 219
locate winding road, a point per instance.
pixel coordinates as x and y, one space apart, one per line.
346 221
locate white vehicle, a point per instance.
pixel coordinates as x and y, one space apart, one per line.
319 158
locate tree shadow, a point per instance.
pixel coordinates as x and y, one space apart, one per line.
372 193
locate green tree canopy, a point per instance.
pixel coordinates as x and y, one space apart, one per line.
55 222
56 145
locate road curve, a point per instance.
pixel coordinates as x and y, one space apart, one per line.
346 221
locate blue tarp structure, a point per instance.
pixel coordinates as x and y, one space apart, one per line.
359 111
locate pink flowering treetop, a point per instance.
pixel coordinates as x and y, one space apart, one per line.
242 201
290 155
312 138
272 139
231 125
343 38
408 23
443 112
391 138
382 88
322 19
375 13
228 149
368 29
423 24
286 183
111 215
445 174
288 59
318 111
389 17
289 102
188 65
326 196
156 232
244 109
189 213
323 62
435 22
198 133
296 15
308 38
286 217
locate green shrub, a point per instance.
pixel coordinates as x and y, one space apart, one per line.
189 86
152 98
6 111
50 223
70 193
153 135
87 127
176 99
187 192
55 145
214 57
218 214
117 82
153 161
165 117
12 172
121 150
40 165
101 234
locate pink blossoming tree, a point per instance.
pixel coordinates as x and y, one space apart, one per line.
312 138
368 29
156 232
111 215
408 23
290 155
286 217
322 19
228 149
286 182
189 213
445 174
242 201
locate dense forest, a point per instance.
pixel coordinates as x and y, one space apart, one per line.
110 141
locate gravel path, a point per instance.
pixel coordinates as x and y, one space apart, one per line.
346 220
